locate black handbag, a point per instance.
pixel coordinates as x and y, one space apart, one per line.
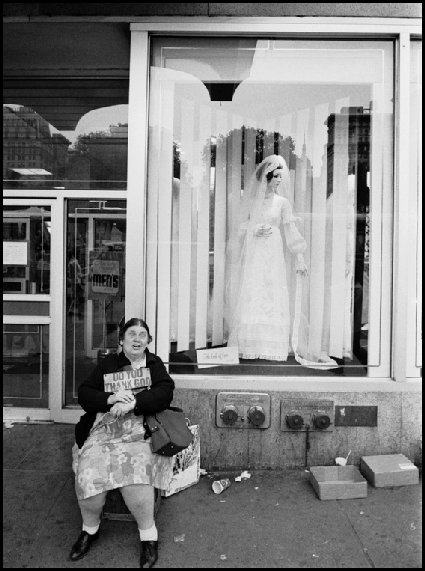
169 431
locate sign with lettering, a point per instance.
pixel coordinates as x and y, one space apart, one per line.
105 276
217 356
134 380
15 253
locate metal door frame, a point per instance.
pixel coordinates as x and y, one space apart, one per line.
53 320
56 410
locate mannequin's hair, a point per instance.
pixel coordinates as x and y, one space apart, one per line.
269 175
268 165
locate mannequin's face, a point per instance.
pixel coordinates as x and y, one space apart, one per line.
274 183
135 342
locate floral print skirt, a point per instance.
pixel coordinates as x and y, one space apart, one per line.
116 455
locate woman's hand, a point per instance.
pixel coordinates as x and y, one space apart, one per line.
121 409
120 396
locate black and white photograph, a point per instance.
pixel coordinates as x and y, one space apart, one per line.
212 285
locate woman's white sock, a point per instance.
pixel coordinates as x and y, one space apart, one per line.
150 534
91 530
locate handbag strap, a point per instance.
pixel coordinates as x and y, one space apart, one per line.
150 425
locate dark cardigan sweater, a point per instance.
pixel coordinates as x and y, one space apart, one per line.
93 398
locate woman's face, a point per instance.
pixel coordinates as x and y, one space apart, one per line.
135 341
274 183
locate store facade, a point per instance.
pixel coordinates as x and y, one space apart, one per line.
131 149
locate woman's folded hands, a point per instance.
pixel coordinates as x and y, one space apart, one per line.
120 409
122 401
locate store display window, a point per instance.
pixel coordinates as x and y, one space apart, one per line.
269 203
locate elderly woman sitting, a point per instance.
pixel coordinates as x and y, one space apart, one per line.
110 450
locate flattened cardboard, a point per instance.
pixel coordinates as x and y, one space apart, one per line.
387 470
186 466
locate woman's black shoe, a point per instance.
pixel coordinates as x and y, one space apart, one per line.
82 545
148 553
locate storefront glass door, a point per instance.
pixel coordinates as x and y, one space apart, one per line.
95 273
58 324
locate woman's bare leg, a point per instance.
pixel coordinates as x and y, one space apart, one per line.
140 500
91 509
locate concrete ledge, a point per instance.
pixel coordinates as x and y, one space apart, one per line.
299 384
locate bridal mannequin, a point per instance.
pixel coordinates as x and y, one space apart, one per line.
259 316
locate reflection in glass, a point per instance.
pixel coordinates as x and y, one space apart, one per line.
25 365
216 112
26 249
95 285
90 152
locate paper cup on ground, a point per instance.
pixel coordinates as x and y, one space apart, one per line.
342 461
220 485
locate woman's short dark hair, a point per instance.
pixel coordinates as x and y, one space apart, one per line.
269 175
130 323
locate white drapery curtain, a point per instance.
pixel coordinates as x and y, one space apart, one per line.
190 211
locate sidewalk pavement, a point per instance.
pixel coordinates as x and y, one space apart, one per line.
272 520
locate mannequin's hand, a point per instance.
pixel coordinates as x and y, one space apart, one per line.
303 272
263 230
301 268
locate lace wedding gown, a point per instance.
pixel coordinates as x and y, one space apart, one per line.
261 327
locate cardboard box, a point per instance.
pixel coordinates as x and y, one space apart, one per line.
338 482
389 470
186 466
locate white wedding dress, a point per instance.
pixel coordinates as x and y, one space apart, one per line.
261 325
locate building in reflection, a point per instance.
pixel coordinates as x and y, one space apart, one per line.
32 148
349 140
102 156
348 153
34 151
